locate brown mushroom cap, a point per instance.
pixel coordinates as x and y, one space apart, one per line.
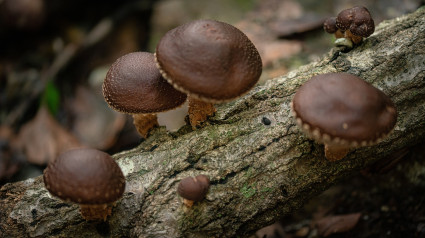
342 109
329 25
210 60
357 19
134 84
85 176
194 188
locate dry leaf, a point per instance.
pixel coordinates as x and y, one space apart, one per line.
43 138
94 123
289 27
336 224
272 51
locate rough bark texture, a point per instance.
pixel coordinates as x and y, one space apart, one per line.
259 172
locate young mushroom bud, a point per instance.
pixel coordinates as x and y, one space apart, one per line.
343 111
135 86
356 23
329 25
88 177
211 62
193 189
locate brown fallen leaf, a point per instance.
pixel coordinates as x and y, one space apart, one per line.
289 27
43 138
270 48
336 224
273 51
94 123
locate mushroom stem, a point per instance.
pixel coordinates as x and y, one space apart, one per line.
188 203
144 123
354 38
339 34
334 153
95 212
199 111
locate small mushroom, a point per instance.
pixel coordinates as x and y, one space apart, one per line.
343 111
329 25
211 62
88 177
356 23
193 189
135 86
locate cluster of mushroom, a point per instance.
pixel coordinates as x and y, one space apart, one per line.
206 61
88 177
93 180
350 26
342 111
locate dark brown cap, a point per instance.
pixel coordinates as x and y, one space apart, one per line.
357 19
194 188
342 109
134 85
209 60
330 25
85 176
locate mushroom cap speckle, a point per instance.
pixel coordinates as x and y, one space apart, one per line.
85 176
134 84
357 19
209 60
194 188
343 109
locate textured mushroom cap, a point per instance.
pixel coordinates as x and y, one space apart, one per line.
85 176
210 60
330 25
134 84
357 19
195 188
341 108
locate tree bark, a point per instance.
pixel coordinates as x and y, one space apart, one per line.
260 165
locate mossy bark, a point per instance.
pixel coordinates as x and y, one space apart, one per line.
258 171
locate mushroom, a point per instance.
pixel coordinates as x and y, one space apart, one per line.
356 23
134 85
211 62
88 177
329 25
193 189
342 111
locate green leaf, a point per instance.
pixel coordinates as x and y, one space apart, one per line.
51 98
